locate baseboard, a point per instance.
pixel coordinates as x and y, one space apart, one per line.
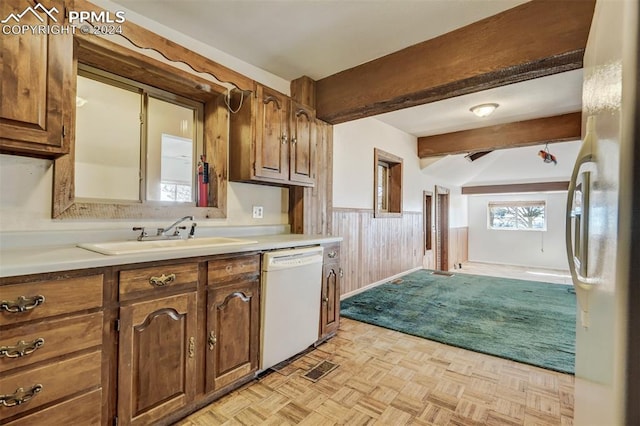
377 283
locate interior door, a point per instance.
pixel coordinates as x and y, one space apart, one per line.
442 228
599 222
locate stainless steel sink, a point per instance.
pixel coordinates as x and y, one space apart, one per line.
132 247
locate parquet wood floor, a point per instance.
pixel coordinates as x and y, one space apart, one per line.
389 378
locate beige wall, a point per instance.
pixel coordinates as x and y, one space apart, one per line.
375 249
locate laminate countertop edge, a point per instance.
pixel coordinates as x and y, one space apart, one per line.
35 260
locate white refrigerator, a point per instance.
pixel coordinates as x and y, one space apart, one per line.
603 221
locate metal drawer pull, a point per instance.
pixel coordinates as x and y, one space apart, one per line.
192 346
325 299
162 280
212 340
21 348
332 254
341 273
20 396
22 304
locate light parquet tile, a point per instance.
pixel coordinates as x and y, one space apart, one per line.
388 378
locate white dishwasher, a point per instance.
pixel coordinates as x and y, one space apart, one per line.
291 287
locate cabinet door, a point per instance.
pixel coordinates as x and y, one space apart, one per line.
303 145
232 332
156 358
35 93
330 310
272 138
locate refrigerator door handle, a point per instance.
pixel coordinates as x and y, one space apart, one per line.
576 225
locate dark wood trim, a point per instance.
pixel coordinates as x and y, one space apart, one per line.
303 90
296 209
516 187
427 206
145 39
394 184
536 39
442 228
560 128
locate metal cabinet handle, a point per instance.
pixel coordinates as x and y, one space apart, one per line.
21 348
284 139
325 299
21 304
332 254
20 396
341 273
294 140
162 280
192 347
212 340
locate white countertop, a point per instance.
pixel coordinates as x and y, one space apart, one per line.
52 258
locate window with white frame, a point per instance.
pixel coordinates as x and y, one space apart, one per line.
517 215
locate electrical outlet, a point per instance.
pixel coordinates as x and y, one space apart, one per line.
258 212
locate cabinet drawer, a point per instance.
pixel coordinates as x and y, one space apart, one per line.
82 410
226 269
54 381
29 301
331 253
140 282
31 343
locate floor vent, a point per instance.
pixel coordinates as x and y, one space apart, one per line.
320 370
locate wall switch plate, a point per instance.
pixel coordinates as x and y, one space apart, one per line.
258 212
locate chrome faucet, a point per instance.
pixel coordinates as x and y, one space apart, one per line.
162 233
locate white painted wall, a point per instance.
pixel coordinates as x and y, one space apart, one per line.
353 145
544 249
26 183
26 192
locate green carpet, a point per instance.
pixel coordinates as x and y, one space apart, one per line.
525 321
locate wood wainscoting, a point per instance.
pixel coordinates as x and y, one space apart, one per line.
458 246
376 248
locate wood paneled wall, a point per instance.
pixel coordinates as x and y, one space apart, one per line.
458 246
376 248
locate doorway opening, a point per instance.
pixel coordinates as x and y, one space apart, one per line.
442 228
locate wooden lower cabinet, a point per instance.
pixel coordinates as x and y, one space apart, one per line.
331 277
111 346
51 349
157 358
233 339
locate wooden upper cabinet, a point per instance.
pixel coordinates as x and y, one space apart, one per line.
302 157
272 135
36 94
272 140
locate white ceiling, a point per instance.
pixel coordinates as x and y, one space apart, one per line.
543 97
515 165
317 38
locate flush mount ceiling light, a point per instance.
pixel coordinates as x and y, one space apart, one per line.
483 110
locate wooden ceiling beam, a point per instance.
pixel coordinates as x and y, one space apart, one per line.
535 39
516 187
560 128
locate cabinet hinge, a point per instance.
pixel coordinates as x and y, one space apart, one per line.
64 131
116 326
115 421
